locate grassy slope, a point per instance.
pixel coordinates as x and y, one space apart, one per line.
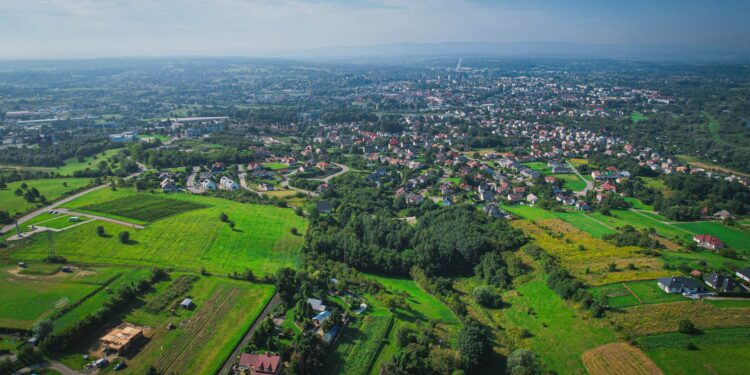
734 238
72 164
558 335
51 188
261 240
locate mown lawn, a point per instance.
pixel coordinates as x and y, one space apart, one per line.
557 334
538 166
275 166
635 293
571 181
39 293
261 240
637 117
51 188
716 351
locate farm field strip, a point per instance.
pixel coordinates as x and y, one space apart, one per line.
358 347
619 358
143 207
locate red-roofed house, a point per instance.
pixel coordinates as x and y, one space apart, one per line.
609 187
265 364
708 241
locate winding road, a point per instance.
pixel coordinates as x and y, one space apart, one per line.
589 184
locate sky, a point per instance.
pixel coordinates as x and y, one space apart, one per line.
114 28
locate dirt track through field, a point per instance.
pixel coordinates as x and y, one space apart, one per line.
197 331
619 358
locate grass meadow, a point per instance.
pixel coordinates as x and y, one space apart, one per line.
555 332
635 293
649 319
39 292
261 239
72 164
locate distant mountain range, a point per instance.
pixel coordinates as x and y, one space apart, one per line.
520 50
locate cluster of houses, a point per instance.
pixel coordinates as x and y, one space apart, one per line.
692 286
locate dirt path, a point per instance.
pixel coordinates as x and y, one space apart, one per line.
54 365
659 221
102 218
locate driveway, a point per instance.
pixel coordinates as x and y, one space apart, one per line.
65 370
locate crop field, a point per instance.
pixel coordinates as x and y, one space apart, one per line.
143 207
635 293
73 165
717 351
51 188
359 345
261 239
619 358
656 318
587 257
27 298
557 334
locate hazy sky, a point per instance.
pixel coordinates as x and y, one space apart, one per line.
96 28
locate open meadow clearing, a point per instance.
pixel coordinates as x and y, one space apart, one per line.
275 166
261 239
588 258
51 188
715 351
619 358
571 181
39 291
555 332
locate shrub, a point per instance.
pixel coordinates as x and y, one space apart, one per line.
686 326
124 236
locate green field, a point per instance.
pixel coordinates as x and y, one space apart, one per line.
51 188
72 164
49 221
39 292
275 166
733 237
423 306
637 117
538 166
359 344
143 207
261 239
717 351
580 220
571 181
557 334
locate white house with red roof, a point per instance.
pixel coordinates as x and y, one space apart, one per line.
708 241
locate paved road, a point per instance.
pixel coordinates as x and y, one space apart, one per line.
191 182
102 218
65 370
344 169
227 368
53 206
589 184
242 176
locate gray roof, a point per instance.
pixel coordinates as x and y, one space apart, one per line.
721 283
680 282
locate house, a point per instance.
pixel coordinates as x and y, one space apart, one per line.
486 193
680 284
260 364
321 317
323 206
515 197
607 186
316 304
167 185
227 183
583 206
412 198
123 137
708 241
744 274
122 338
208 185
532 198
721 283
493 210
265 187
723 215
187 304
